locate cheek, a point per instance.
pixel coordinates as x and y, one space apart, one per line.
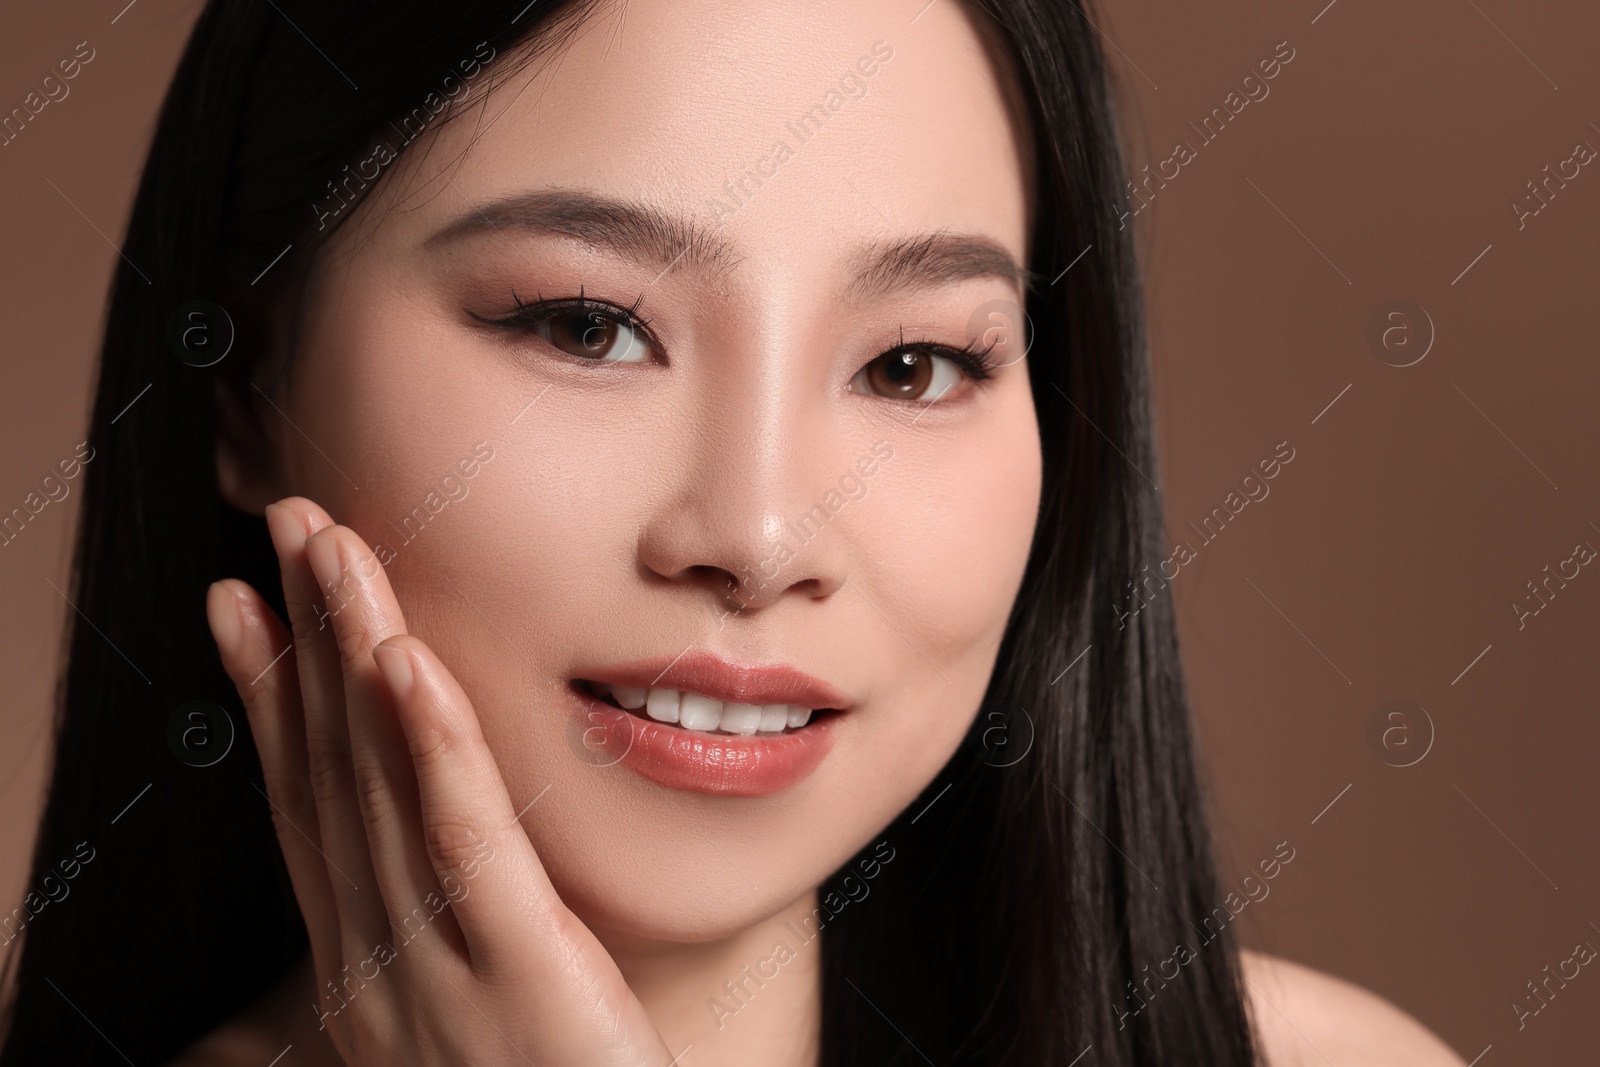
941 557
497 582
380 411
950 537
392 402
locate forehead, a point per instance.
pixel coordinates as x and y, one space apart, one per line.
789 131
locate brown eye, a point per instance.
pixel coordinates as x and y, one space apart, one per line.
593 337
906 375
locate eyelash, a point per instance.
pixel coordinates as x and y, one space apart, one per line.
975 362
525 315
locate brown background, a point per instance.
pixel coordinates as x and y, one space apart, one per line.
1386 557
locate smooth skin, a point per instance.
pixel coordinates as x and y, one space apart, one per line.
592 913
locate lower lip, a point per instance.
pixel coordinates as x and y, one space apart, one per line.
719 764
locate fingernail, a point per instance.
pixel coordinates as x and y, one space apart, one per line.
286 526
323 555
395 663
222 611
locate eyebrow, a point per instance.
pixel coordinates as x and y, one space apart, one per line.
931 261
630 230
640 231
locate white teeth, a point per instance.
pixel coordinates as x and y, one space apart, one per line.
692 711
629 697
662 705
699 713
741 718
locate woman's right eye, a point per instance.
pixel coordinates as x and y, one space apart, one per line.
590 330
592 336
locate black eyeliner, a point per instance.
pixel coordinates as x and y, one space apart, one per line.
524 315
974 361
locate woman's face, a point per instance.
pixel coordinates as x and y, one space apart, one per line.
758 475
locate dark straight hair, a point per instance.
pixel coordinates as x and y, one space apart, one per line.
1025 914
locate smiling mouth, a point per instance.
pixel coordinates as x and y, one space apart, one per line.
697 713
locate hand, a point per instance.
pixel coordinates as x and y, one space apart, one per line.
427 908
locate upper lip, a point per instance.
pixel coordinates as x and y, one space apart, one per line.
733 683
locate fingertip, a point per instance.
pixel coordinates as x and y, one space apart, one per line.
419 660
342 541
323 555
436 703
310 512
241 591
424 719
287 527
394 663
224 616
429 671
403 642
253 611
293 519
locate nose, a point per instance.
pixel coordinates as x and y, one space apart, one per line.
744 517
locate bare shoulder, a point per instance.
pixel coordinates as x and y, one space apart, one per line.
280 1018
1305 1017
233 1044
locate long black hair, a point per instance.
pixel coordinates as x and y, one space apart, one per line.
1031 917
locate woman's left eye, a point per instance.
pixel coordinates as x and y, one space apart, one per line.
593 336
918 373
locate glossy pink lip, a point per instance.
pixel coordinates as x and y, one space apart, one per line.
711 675
718 764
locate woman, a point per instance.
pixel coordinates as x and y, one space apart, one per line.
670 585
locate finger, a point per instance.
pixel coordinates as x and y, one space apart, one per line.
481 857
364 612
362 921
255 650
516 929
